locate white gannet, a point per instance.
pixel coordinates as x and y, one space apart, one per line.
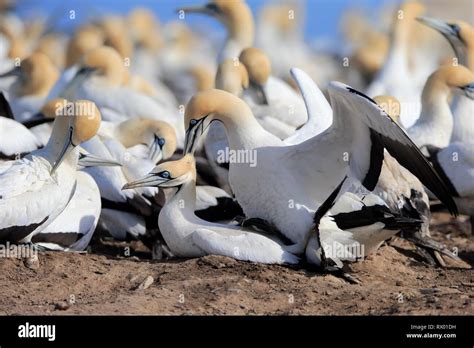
36 77
138 144
87 37
158 136
280 101
459 34
72 230
236 16
288 195
461 37
396 76
101 78
15 138
35 189
435 125
404 193
189 236
401 191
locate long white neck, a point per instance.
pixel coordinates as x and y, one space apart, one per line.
463 113
244 132
178 212
435 110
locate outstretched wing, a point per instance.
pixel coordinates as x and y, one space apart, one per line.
318 109
385 133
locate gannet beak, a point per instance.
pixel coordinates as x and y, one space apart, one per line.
192 135
443 27
156 147
14 72
469 90
90 160
67 147
149 180
209 9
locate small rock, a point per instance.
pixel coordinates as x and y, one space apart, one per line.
32 262
146 283
398 283
61 306
428 291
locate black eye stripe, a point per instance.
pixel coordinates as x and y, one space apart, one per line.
455 27
164 174
213 8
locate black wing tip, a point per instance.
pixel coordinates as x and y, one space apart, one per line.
5 109
354 91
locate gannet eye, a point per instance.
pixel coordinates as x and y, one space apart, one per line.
165 174
193 122
456 28
161 142
213 7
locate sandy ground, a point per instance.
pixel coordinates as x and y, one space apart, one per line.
393 281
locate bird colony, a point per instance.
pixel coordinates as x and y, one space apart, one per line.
259 146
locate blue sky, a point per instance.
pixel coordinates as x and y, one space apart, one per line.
321 18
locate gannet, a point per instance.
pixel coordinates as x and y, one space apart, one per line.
72 230
52 45
138 144
400 190
435 125
158 136
189 236
404 193
101 80
459 34
279 100
36 76
461 37
396 76
289 183
238 20
87 37
35 189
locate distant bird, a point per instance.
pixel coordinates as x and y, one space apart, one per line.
36 77
461 37
435 124
237 17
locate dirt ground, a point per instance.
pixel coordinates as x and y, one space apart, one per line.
394 281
